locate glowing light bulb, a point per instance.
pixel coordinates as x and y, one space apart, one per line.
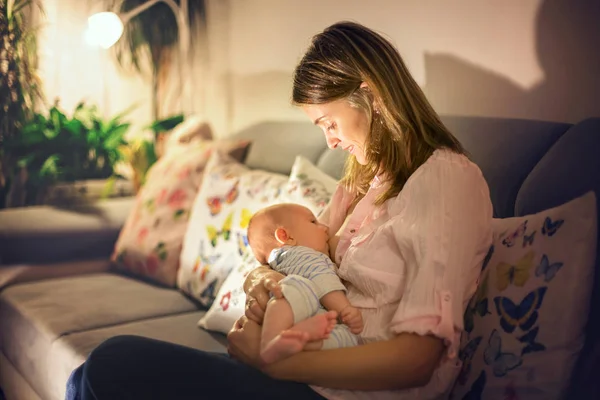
104 29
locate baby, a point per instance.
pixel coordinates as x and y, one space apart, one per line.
289 238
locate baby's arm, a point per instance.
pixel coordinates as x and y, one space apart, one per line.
349 315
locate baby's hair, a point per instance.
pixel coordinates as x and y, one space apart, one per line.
262 227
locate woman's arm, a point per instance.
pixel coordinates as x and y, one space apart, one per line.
404 362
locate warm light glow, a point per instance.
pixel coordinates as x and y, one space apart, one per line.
104 29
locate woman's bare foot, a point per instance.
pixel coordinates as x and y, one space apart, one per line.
292 341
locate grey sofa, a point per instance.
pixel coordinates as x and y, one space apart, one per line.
59 299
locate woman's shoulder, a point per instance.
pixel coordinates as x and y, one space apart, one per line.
443 164
444 168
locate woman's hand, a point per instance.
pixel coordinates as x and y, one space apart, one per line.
244 342
259 285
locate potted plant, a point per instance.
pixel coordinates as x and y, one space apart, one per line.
59 155
20 87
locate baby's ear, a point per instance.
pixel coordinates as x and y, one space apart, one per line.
282 236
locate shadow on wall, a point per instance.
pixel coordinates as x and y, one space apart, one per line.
567 45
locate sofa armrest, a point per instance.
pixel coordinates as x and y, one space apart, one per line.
47 235
13 274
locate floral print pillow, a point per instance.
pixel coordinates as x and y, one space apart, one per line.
150 242
524 325
215 241
307 185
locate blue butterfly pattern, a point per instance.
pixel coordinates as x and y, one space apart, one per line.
528 239
501 362
550 228
529 339
547 269
524 315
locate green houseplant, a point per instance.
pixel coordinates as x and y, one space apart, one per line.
53 147
20 87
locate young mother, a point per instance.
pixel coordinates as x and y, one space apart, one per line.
410 224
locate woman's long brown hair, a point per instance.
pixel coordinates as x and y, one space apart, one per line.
405 130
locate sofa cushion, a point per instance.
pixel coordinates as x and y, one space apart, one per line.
150 242
35 314
68 352
524 328
506 150
569 169
79 233
275 144
307 186
215 237
332 162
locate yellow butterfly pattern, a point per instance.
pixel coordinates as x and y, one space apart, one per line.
245 218
225 232
516 274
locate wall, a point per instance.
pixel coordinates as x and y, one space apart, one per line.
73 71
533 59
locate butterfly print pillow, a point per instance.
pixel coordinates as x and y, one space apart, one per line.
216 240
523 327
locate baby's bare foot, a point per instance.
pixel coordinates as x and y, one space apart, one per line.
284 345
318 327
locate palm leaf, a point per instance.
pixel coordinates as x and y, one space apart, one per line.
50 167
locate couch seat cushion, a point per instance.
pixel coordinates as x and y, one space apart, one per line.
35 314
58 235
68 352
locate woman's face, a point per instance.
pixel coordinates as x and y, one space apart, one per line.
344 126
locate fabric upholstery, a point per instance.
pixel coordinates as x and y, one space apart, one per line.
332 162
14 385
539 269
57 235
20 273
506 150
275 145
38 313
151 240
68 352
307 186
551 183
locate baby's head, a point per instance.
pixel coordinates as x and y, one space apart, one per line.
285 224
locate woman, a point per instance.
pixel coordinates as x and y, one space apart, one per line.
410 224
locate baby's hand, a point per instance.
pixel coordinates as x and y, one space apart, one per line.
352 317
274 287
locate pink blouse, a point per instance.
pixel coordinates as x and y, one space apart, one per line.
412 264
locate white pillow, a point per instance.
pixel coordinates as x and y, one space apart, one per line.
215 238
308 186
524 327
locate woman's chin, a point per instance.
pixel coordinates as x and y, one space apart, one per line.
361 160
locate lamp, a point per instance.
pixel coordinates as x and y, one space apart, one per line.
105 29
